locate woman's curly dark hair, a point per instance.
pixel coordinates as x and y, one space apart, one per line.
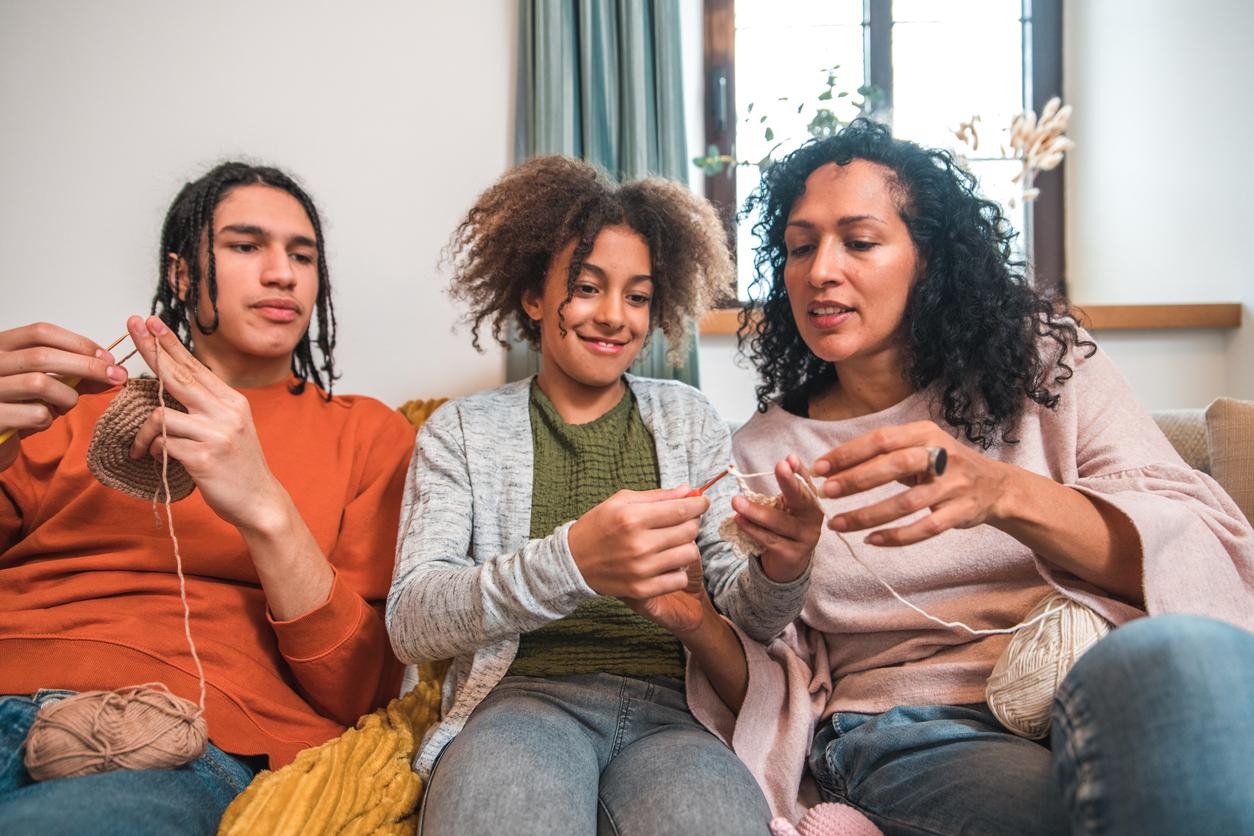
503 248
973 325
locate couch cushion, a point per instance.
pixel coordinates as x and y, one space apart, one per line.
1230 430
1186 430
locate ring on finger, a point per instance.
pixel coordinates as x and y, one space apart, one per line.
937 461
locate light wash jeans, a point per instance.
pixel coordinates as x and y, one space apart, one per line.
190 799
1153 732
591 753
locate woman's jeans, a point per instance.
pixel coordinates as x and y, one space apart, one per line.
1153 732
591 753
190 799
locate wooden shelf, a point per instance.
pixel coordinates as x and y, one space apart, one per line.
724 321
1159 317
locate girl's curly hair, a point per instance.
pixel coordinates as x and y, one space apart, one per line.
973 325
504 247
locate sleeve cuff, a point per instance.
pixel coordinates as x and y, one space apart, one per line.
572 579
773 590
324 628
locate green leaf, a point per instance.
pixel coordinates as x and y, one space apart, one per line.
749 109
769 135
826 95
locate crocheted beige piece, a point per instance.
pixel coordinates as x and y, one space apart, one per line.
109 456
742 544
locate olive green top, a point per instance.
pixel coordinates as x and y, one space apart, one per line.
578 466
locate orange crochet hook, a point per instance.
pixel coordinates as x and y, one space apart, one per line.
702 489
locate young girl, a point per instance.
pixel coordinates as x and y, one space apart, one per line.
543 518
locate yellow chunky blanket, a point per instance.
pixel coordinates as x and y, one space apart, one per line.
360 782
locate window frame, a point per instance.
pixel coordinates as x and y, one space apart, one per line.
1042 79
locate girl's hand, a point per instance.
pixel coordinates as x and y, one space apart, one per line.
636 544
215 440
966 495
683 612
789 534
43 368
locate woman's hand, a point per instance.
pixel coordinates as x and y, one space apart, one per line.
636 544
786 534
966 495
215 440
43 368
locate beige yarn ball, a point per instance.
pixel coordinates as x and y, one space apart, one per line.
139 727
108 457
1021 688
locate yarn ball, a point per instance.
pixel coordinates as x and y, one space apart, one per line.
137 727
742 544
1021 688
109 456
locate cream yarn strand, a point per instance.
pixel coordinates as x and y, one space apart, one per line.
1021 688
136 727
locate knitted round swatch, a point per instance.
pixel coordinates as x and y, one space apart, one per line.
109 456
1021 687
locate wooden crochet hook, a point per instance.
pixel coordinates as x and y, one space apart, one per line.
702 489
72 381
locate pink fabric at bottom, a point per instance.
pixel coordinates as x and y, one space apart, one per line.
827 820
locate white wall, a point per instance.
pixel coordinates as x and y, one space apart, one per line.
394 114
1157 205
397 114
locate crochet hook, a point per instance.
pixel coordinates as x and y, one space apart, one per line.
702 489
72 381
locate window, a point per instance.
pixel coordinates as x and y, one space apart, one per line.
935 63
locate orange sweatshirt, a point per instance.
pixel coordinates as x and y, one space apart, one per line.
89 598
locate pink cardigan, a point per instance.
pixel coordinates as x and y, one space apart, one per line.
855 648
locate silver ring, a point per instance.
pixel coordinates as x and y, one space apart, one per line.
937 460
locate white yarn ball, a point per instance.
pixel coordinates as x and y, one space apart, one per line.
1021 688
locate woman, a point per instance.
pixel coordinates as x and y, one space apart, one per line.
977 452
550 541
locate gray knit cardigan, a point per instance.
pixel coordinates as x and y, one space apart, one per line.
468 580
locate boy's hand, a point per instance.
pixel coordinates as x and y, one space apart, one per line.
215 440
40 365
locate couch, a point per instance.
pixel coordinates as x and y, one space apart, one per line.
361 782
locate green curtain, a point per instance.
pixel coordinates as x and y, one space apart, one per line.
601 80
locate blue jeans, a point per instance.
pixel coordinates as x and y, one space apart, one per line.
190 799
590 753
1153 730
